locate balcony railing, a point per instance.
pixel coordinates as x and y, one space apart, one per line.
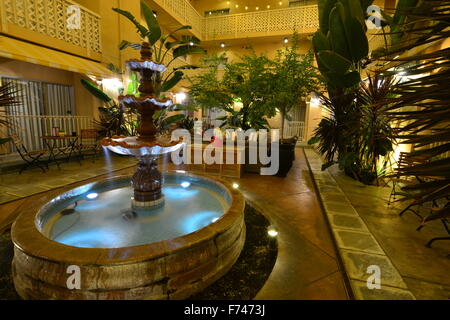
281 21
46 22
185 13
295 128
301 19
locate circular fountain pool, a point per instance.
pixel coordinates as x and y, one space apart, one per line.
102 218
166 252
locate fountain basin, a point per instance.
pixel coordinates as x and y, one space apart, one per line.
172 265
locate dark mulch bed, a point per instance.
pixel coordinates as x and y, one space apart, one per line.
250 272
7 291
242 282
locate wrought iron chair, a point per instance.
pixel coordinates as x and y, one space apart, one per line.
399 180
32 159
89 144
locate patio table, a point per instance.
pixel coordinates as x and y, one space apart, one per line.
54 150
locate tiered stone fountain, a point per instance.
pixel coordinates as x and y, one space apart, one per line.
148 145
186 231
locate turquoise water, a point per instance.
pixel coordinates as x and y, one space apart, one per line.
102 217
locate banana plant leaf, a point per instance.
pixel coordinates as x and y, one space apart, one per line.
154 30
187 67
96 91
143 31
338 37
127 44
334 61
174 119
167 36
172 82
185 50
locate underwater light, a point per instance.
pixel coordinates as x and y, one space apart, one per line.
185 184
272 232
92 196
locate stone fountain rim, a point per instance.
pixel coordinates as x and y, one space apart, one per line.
27 237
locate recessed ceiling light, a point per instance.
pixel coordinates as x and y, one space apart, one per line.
235 185
222 45
237 6
257 8
286 40
268 6
246 8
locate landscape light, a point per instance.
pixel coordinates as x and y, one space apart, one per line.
185 184
92 196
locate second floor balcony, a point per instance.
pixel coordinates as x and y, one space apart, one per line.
47 22
303 19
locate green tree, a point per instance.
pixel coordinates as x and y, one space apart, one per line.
293 78
246 81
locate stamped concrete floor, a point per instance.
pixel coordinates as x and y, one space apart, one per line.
426 271
368 232
14 186
307 266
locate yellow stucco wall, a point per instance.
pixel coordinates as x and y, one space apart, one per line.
114 29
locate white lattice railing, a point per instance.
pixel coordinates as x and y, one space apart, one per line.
185 13
301 19
295 128
50 18
31 129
